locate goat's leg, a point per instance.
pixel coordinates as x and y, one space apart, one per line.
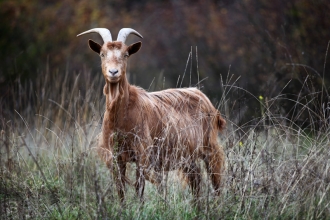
193 173
215 162
119 173
140 183
146 167
142 176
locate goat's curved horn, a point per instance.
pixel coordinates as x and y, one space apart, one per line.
105 33
124 32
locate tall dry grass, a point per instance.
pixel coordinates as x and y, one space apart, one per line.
49 169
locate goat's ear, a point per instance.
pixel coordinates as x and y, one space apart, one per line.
133 48
94 46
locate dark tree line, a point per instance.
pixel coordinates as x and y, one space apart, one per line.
275 47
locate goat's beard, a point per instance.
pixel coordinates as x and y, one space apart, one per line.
113 90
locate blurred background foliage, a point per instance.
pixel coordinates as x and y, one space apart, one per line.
273 47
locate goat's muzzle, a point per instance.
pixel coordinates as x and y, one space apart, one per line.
113 75
113 72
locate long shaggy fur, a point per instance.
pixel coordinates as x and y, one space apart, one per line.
159 131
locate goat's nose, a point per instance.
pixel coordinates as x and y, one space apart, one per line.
113 72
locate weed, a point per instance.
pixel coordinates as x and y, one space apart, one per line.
49 168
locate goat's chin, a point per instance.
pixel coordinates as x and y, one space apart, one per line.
113 80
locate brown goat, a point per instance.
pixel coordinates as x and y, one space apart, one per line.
159 131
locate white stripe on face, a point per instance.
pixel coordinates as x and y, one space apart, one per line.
114 54
113 61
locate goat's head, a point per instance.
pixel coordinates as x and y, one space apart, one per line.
114 54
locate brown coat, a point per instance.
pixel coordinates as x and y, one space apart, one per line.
159 131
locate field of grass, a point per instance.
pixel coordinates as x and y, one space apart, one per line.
49 168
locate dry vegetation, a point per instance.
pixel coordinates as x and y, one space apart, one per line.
277 163
49 169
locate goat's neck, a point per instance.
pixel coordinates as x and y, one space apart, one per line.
117 97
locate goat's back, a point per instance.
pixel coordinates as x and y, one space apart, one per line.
180 108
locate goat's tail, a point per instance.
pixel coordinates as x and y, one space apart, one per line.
220 122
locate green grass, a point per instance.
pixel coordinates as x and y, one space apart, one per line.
50 170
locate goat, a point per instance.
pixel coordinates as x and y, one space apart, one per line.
159 131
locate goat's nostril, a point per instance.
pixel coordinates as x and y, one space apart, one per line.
113 72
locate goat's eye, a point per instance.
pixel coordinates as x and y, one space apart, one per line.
126 55
102 55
